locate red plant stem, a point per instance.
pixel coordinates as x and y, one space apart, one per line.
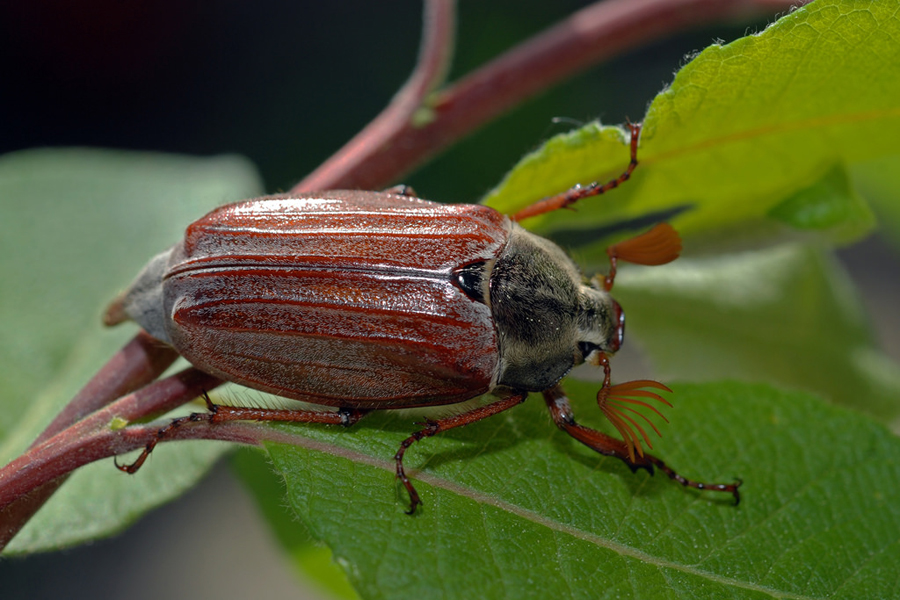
49 464
66 450
376 138
589 36
138 363
28 482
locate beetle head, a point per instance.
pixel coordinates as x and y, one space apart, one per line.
601 323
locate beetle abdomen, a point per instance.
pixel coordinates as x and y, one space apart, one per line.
295 297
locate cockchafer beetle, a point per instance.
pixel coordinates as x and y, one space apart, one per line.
365 301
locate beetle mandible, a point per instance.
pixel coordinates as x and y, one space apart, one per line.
363 301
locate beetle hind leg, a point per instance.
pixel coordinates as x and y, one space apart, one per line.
433 427
161 435
561 412
218 413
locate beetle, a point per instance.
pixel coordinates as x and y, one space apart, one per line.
359 301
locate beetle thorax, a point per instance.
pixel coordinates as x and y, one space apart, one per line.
548 320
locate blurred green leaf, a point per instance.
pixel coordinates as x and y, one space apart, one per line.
77 227
742 129
879 182
828 204
516 509
786 315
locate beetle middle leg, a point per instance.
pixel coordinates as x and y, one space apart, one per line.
218 413
433 427
402 190
561 412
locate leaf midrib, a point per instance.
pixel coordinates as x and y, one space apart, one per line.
537 519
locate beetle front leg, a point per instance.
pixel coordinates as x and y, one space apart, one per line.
433 427
561 412
578 192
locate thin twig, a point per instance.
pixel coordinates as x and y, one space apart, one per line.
375 139
31 474
586 38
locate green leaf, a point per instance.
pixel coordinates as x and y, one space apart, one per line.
516 509
879 182
77 227
743 128
786 315
828 204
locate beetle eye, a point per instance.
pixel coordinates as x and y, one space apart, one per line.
586 349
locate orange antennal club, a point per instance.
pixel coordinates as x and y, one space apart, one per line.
659 246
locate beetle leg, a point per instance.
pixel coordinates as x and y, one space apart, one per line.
161 434
219 413
344 416
433 427
561 412
578 192
402 190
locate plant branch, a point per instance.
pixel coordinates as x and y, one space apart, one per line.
589 36
48 464
373 143
138 363
28 481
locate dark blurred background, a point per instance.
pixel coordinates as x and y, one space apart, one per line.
285 84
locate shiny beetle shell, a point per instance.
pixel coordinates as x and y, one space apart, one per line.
371 300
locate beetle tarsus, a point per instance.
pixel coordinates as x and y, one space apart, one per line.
578 192
635 467
161 434
210 406
414 499
731 488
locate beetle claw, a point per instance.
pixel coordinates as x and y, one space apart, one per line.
413 503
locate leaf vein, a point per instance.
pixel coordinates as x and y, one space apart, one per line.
487 500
